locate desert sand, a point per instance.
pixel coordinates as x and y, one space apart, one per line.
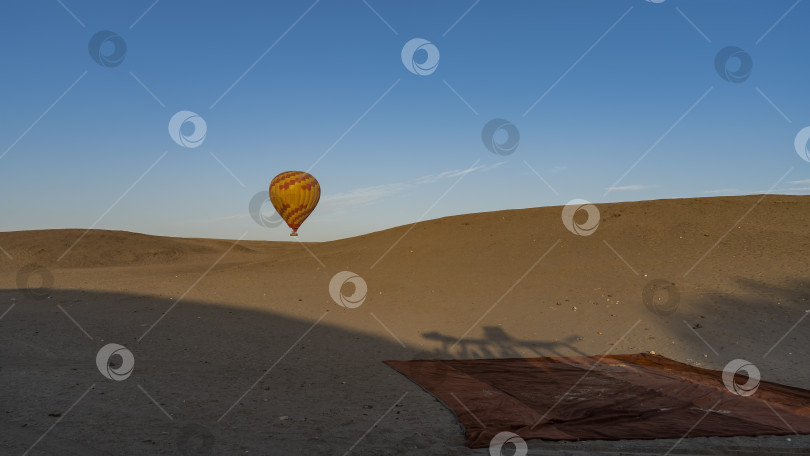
239 348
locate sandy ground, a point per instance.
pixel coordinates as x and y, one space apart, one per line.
239 348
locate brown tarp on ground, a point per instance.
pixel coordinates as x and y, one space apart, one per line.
639 396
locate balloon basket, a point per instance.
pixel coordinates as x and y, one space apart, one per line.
293 234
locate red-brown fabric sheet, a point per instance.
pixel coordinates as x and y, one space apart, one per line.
636 396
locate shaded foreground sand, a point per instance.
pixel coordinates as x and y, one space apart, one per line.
258 359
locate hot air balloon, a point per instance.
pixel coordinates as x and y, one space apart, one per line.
294 194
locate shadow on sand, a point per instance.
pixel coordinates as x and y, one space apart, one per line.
207 379
215 379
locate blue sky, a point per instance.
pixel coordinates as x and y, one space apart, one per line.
613 100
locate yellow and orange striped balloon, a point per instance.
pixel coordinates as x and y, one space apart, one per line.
294 194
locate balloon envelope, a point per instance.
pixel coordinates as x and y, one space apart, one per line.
294 194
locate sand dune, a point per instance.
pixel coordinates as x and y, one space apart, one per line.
98 248
507 283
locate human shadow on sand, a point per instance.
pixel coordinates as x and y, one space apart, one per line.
496 343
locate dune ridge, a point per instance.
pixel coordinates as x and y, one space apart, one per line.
507 229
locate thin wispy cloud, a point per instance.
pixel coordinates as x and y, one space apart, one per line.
721 190
430 178
217 219
341 202
777 191
359 197
761 191
630 187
